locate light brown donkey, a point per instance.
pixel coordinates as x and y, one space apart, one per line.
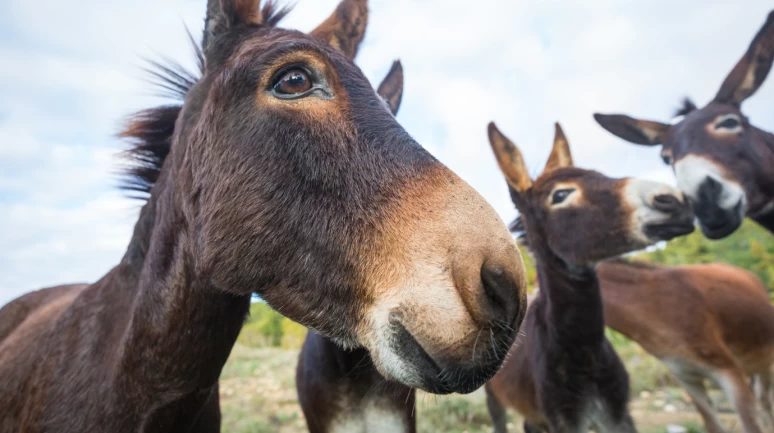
705 322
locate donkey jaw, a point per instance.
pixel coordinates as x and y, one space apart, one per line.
403 359
720 203
417 347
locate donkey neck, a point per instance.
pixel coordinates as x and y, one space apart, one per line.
181 329
572 303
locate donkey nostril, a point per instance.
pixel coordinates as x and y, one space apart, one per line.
502 294
667 203
710 189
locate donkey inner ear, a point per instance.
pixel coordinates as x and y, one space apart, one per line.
510 160
345 28
560 153
748 75
633 130
391 88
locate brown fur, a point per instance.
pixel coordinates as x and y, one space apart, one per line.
705 322
744 156
319 205
565 375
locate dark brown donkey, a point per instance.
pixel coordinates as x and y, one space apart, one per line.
566 377
705 322
284 174
724 164
339 390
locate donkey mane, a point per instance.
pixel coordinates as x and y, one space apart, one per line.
686 106
149 132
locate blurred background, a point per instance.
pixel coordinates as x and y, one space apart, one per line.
72 72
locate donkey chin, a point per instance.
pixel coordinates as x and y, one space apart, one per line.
402 358
661 213
441 347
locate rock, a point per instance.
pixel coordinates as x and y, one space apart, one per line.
674 428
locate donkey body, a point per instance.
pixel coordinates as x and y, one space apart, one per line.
279 124
724 164
565 375
705 322
341 391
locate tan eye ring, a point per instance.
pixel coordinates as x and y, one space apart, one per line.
560 195
667 158
728 123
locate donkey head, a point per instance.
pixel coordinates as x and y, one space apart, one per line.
293 180
721 162
582 216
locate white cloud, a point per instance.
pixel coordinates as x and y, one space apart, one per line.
71 72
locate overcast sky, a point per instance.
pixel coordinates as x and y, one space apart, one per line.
71 71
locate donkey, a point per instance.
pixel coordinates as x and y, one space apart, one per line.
724 164
705 322
282 173
565 376
339 390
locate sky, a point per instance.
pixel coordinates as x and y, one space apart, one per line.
70 73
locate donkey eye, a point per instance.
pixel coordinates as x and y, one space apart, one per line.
666 158
560 195
293 82
729 123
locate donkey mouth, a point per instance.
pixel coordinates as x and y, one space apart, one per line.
719 232
669 230
717 223
439 378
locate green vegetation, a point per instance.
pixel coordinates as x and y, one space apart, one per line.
530 265
267 328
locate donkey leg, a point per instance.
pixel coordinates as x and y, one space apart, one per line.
694 386
496 411
531 428
734 383
762 389
209 418
626 425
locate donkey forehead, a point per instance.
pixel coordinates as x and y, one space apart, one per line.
698 118
691 133
265 46
582 178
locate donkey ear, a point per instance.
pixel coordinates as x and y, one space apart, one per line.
510 160
560 154
391 88
633 130
345 28
225 15
748 75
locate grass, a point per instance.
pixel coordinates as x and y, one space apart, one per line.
258 396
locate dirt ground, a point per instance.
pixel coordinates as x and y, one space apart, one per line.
258 396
